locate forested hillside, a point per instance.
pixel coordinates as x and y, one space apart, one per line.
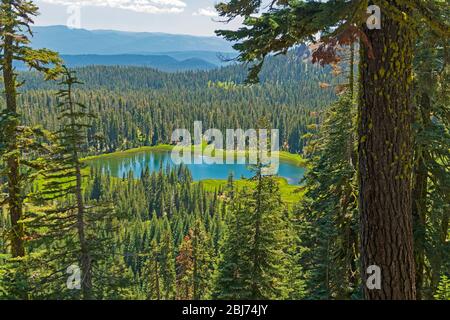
141 107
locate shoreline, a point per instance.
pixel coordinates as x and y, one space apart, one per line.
284 156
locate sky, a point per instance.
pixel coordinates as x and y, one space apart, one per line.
194 17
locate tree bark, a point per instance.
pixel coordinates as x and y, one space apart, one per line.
385 159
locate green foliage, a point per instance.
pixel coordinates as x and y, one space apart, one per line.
327 218
432 161
443 289
255 254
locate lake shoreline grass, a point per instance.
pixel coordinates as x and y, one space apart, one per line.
284 156
290 194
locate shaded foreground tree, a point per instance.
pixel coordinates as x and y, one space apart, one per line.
385 114
327 216
431 184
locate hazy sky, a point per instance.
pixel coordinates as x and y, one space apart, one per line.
196 17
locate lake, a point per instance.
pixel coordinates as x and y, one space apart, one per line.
119 165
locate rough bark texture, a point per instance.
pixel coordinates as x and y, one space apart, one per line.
15 202
385 160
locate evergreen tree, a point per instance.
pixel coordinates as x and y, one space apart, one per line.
327 218
253 265
431 162
167 262
16 17
67 212
229 284
153 272
203 262
185 269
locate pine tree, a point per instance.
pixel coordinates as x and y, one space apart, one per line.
167 262
254 259
327 217
431 175
67 213
203 262
153 272
72 139
185 269
16 17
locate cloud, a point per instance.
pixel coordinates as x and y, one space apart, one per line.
144 6
207 12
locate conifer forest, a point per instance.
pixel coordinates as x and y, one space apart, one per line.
93 208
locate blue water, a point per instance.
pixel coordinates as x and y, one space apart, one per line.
120 165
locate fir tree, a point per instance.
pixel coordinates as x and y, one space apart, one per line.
254 261
16 18
185 269
153 272
67 212
167 262
203 262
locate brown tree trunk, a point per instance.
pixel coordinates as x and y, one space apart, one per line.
15 201
385 160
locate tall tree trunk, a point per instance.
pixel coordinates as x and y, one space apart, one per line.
385 159
15 201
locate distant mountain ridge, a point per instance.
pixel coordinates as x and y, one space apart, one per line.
81 41
165 52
